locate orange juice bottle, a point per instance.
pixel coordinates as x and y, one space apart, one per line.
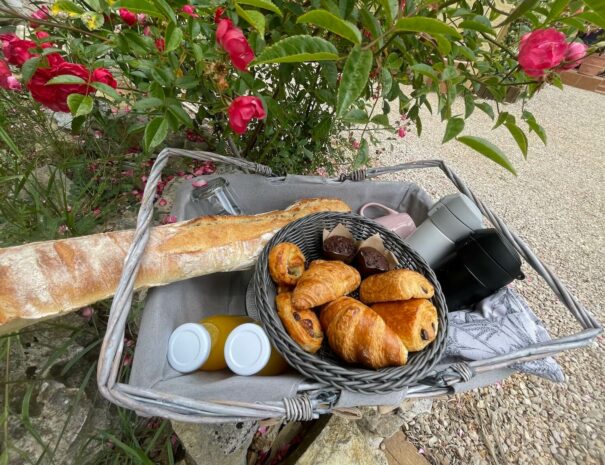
203 346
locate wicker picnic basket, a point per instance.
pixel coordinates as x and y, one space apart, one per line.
312 398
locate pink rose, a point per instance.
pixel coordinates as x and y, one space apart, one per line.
160 44
128 16
541 50
40 14
242 110
218 14
234 42
7 80
147 31
141 18
16 51
574 53
190 10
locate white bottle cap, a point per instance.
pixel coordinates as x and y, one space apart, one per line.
247 349
189 347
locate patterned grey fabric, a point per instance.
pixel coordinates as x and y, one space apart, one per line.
500 324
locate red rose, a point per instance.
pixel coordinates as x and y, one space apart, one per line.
242 110
128 16
16 51
54 96
234 42
218 14
40 14
540 50
103 75
7 80
160 44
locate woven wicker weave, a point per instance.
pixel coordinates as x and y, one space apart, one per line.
325 366
312 399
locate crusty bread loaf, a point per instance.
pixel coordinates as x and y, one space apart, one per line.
44 279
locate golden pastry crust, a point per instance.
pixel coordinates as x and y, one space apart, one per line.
302 325
395 285
414 321
323 282
286 264
358 334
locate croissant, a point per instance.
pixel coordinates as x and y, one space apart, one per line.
323 282
358 334
302 325
286 263
414 321
395 285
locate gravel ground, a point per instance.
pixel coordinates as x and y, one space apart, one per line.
557 205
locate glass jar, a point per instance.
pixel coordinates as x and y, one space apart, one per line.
215 198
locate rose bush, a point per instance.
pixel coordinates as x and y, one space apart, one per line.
297 86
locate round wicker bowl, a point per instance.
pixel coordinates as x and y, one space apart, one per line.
325 366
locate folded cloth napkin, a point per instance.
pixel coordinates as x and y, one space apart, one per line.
500 324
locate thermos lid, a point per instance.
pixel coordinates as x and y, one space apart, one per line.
189 347
247 349
456 216
500 250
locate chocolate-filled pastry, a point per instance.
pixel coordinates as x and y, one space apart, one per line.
302 325
414 321
339 248
323 282
369 261
395 285
286 264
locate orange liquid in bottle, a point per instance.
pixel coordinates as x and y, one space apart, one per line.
219 327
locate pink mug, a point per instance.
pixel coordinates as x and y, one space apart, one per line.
400 223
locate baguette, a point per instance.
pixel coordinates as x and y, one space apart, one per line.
45 279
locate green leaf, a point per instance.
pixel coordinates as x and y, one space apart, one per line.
363 155
593 18
79 104
264 4
198 52
469 105
487 149
555 11
598 6
165 9
177 110
174 38
386 80
524 7
503 117
428 25
29 68
390 8
486 108
147 103
519 136
382 120
65 6
443 44
453 128
425 70
449 73
356 116
355 76
66 79
92 20
332 23
107 90
254 18
155 132
298 49
140 6
476 26
534 126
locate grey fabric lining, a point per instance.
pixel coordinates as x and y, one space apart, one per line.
169 306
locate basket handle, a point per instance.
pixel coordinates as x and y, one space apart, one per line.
111 350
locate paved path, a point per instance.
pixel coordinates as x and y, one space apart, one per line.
557 204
